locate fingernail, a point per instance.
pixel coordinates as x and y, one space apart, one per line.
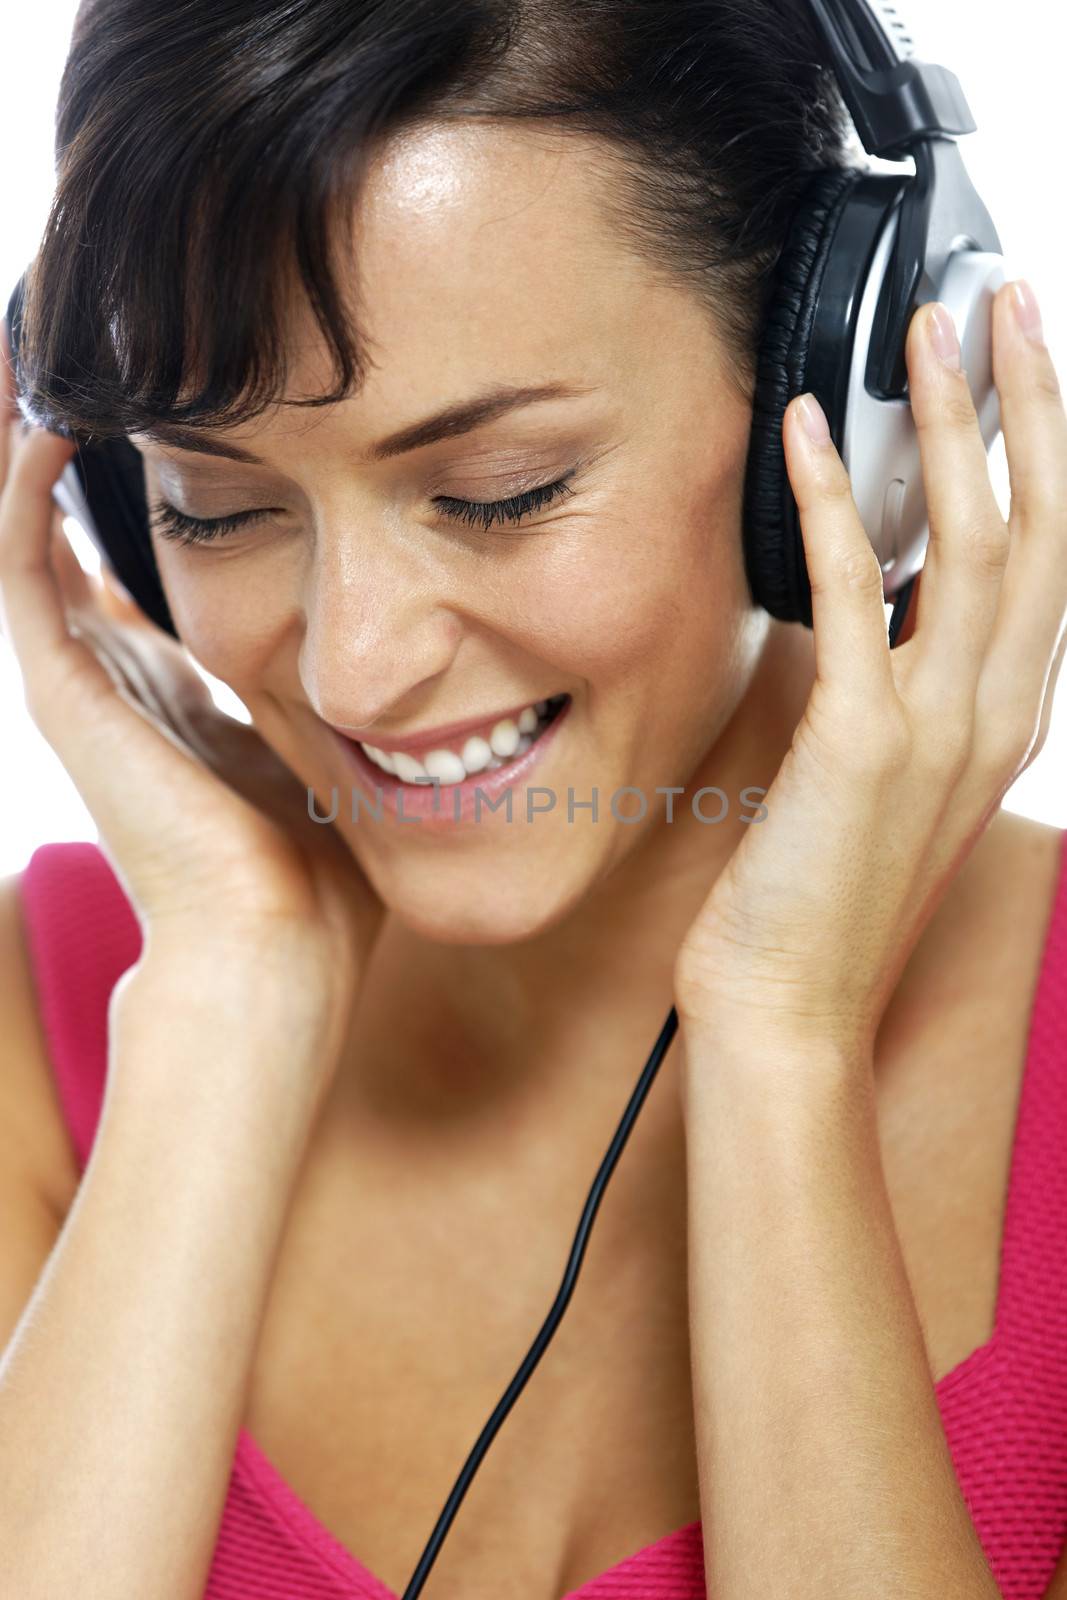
942 333
813 419
1027 313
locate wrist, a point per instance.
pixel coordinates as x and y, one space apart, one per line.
198 1012
267 971
752 1053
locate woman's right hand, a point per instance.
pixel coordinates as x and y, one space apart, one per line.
207 828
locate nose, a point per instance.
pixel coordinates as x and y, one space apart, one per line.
377 629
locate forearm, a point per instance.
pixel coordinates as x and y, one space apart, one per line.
121 1391
824 1468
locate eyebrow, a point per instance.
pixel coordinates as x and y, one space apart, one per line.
460 418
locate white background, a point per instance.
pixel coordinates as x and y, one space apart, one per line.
1013 79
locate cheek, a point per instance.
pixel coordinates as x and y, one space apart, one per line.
654 596
222 614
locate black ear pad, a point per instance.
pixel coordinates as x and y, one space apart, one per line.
773 545
110 474
112 477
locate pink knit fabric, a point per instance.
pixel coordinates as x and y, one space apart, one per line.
1004 1407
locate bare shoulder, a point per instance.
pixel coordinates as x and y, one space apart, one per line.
1010 895
1013 843
35 1146
968 988
1008 884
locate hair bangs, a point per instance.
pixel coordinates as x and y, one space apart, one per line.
198 212
209 156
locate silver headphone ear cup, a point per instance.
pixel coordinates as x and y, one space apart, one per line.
818 331
880 446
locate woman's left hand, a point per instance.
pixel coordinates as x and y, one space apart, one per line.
903 756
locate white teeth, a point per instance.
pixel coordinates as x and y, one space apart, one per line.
504 739
382 757
476 754
511 736
407 767
446 766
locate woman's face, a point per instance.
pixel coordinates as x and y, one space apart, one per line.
485 261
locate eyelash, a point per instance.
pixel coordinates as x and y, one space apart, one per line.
173 524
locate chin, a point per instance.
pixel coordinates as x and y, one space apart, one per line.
449 905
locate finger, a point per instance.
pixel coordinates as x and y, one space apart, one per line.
31 604
1032 414
93 715
1034 598
1048 697
968 547
847 597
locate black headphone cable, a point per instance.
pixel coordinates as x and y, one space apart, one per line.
574 1262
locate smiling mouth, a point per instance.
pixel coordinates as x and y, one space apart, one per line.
505 742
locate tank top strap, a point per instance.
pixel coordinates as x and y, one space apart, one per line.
1032 1303
82 934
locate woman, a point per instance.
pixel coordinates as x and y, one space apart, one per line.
359 1075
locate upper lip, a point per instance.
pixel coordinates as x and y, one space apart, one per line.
447 733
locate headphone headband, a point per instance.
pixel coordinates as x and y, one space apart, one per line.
892 98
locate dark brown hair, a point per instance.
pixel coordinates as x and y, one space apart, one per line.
207 154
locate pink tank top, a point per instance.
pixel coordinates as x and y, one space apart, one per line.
1004 1407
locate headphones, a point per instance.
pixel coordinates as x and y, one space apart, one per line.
864 250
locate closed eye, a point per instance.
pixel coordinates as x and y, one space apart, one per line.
175 525
510 510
